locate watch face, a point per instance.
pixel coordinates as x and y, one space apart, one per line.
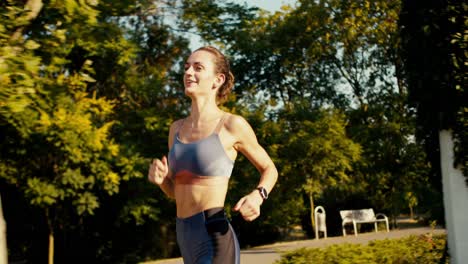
263 193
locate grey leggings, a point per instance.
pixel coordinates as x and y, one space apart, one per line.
207 238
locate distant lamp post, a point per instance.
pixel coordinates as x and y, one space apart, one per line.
320 222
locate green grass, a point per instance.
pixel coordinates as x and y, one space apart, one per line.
423 249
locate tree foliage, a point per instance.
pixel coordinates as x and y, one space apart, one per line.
339 54
77 91
437 82
89 89
319 153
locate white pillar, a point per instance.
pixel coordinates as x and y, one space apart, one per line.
3 244
455 193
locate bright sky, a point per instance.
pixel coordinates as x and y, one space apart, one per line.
270 5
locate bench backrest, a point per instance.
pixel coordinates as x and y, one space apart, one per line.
358 215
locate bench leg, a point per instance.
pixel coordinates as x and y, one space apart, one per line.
344 231
375 225
355 228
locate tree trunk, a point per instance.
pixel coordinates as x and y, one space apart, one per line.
312 208
3 242
34 7
51 248
455 197
51 237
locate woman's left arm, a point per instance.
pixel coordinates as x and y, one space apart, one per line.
247 144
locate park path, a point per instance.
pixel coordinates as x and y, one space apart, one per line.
268 254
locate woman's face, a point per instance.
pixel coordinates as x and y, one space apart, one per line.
200 77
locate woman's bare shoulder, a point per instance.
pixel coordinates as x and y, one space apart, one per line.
236 123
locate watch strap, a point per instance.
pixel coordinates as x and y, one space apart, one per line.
263 192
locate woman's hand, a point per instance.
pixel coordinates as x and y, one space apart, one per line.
249 206
158 171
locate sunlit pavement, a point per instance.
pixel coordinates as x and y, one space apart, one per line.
270 253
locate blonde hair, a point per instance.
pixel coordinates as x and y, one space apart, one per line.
221 66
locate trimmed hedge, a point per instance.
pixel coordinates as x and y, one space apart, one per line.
414 249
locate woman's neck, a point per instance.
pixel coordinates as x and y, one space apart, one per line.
204 111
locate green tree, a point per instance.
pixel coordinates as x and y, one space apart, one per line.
436 93
393 162
329 53
320 154
433 47
17 61
412 201
56 147
149 94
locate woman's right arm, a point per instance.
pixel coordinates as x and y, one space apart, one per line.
159 172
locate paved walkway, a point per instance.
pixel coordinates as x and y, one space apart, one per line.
268 254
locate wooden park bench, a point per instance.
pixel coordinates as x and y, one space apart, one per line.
361 216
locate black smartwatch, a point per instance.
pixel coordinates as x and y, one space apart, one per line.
263 192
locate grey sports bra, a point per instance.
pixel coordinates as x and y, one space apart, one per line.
204 157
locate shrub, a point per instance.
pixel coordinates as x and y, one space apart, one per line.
414 249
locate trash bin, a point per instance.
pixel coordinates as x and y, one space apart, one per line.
320 221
